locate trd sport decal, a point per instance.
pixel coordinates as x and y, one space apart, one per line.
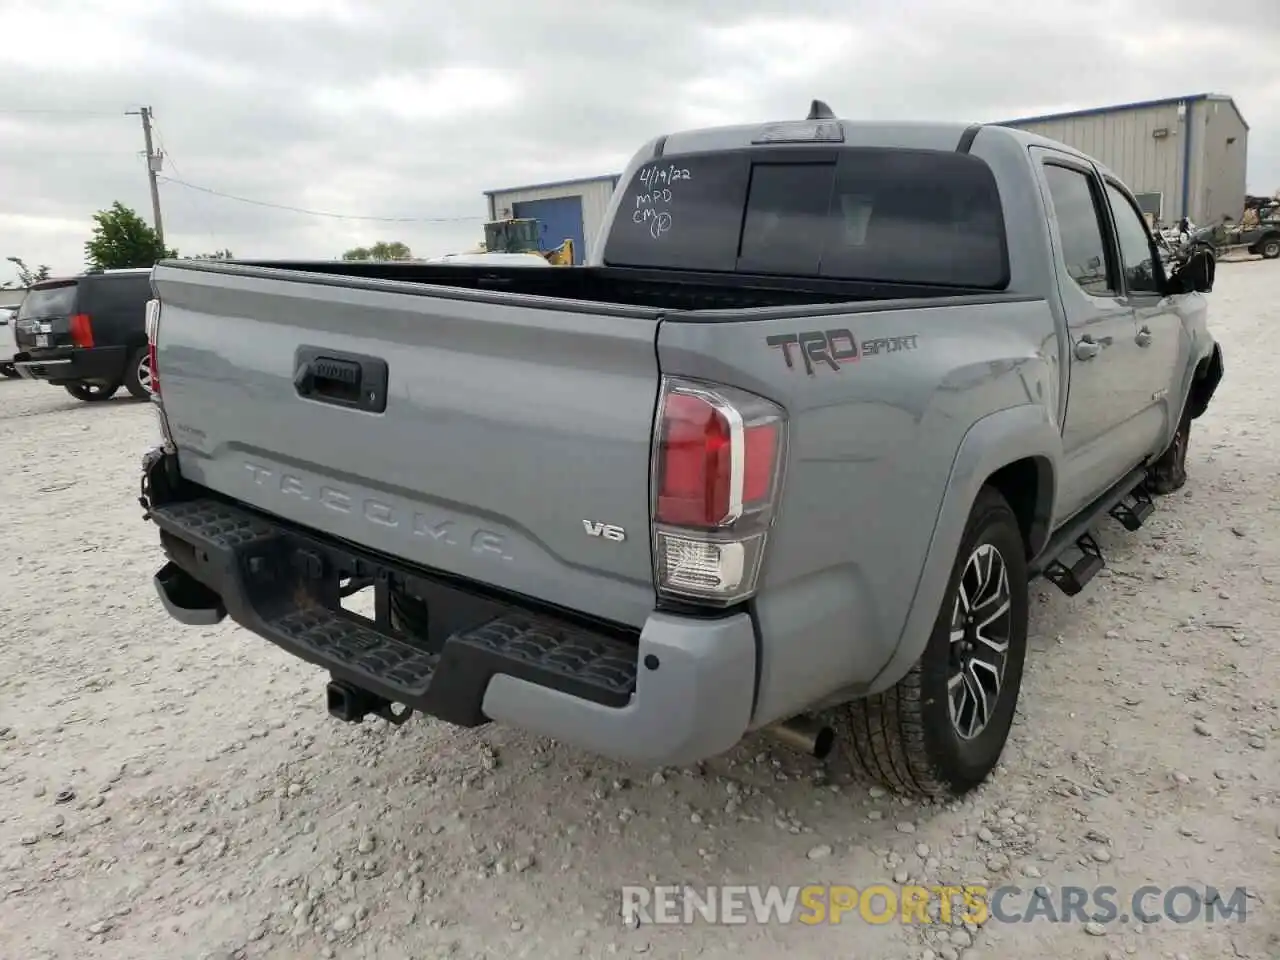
835 348
832 347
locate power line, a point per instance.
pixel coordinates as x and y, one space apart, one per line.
19 111
196 204
218 193
317 213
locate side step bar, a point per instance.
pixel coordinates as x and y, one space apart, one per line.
1128 502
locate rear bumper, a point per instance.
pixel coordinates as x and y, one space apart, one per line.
74 365
678 692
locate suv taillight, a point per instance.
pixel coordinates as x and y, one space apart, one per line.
81 329
717 465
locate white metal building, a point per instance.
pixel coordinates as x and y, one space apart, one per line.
572 209
1182 156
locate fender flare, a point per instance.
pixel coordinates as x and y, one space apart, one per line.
995 441
1204 385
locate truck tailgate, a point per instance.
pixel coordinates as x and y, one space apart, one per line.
512 428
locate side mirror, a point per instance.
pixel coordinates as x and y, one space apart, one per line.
1196 273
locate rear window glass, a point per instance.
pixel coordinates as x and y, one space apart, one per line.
49 302
123 294
885 215
685 214
786 217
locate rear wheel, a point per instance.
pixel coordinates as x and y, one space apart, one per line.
942 729
1270 248
137 378
92 391
9 370
1169 473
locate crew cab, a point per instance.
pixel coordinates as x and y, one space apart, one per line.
781 458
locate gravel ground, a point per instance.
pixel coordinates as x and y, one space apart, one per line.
180 792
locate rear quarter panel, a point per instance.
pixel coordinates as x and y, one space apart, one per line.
873 446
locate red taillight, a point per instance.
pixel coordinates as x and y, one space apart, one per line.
155 369
711 465
717 467
81 330
694 463
153 332
760 445
153 338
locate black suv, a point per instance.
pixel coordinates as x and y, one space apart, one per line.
87 333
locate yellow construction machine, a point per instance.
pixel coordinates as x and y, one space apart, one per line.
522 235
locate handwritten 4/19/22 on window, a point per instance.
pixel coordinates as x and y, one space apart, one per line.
659 189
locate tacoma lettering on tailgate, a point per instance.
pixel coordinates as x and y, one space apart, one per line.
438 529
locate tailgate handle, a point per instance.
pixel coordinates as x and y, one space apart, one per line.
350 380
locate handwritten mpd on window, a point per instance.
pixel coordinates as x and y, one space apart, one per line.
652 204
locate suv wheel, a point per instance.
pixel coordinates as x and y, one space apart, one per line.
1270 248
942 729
137 378
91 391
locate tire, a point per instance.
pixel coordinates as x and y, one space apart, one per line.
921 738
137 376
10 371
1269 248
92 392
1168 473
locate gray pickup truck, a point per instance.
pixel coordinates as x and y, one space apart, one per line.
782 457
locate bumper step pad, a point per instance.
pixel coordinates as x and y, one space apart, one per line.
251 564
368 652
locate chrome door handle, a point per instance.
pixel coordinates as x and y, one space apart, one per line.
1143 338
1087 348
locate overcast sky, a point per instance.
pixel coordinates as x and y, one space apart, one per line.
390 108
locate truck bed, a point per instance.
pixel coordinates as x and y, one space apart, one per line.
505 412
595 285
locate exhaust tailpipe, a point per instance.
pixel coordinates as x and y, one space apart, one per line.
803 734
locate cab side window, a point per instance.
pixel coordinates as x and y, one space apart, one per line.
1081 230
1136 257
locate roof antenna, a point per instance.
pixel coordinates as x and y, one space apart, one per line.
818 110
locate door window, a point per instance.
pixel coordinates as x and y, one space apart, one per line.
1136 258
1080 229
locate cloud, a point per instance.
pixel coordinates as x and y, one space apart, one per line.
408 110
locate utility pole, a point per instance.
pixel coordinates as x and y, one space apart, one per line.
154 165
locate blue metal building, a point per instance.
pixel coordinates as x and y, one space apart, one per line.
567 209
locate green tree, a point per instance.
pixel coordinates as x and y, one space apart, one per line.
123 239
382 250
27 276
216 255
